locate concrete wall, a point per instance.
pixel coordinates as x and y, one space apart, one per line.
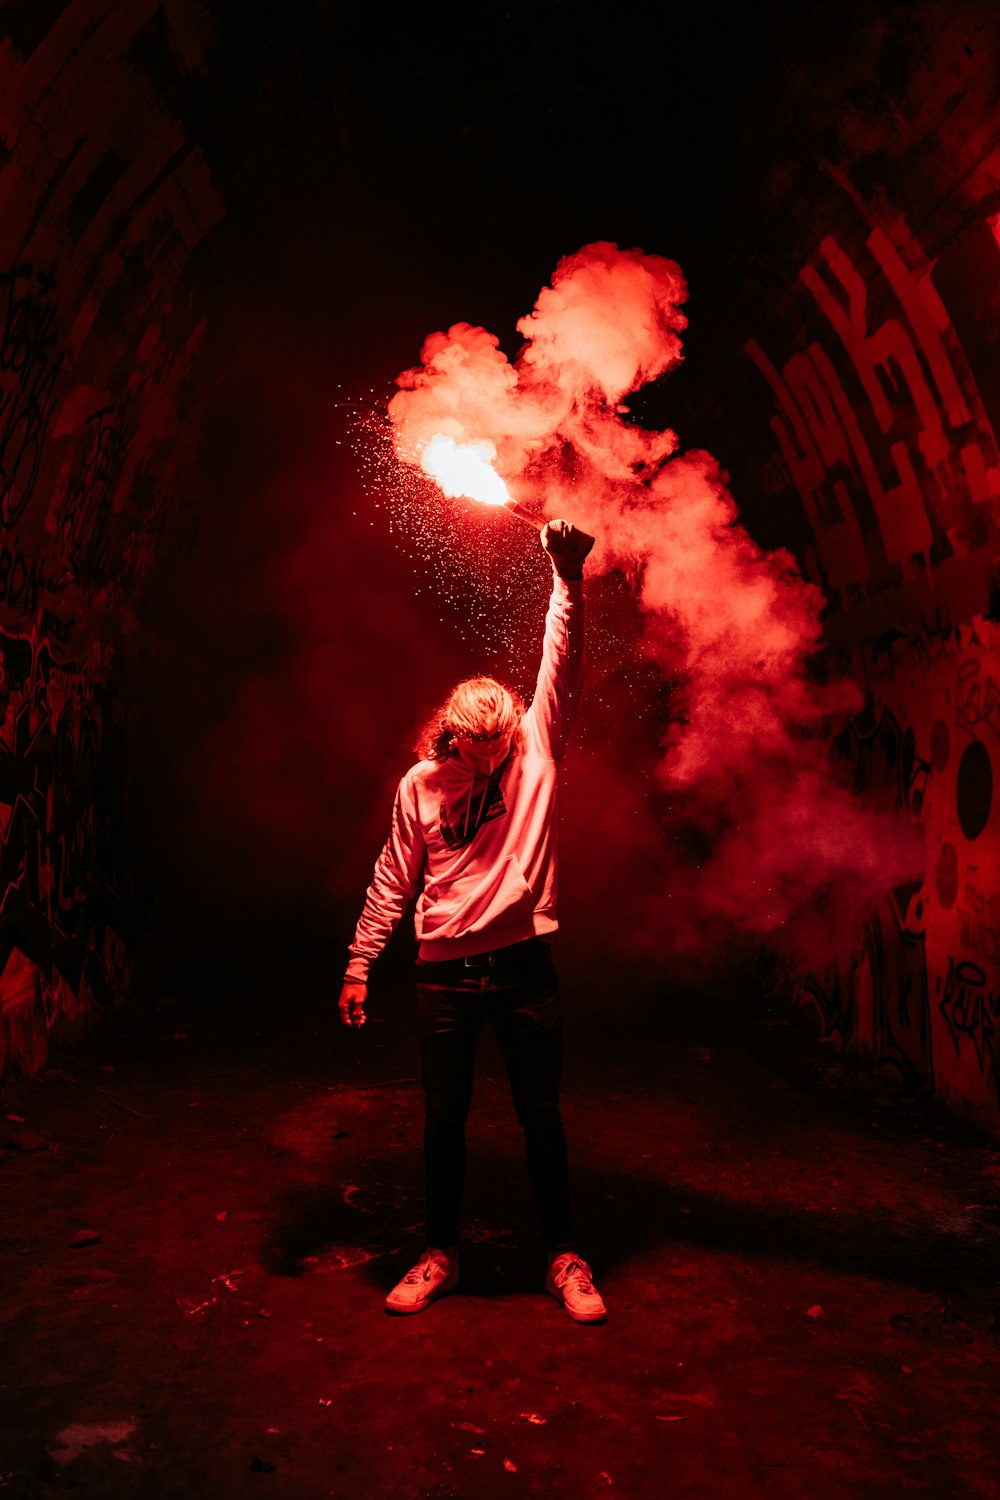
871 412
102 200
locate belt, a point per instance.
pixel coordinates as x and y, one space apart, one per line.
480 963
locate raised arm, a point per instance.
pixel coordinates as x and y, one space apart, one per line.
394 884
560 675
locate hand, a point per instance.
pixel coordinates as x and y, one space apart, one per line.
567 546
352 1003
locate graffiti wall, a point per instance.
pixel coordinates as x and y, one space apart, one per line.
877 365
102 201
919 992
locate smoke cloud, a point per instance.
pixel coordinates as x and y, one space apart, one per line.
746 825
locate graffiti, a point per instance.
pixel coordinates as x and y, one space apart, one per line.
887 769
72 851
18 983
57 686
977 699
980 919
20 580
893 965
22 801
831 995
974 789
29 368
946 876
83 516
877 994
58 999
880 992
97 357
54 629
968 1008
63 850
883 432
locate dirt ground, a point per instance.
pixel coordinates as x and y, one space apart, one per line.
801 1273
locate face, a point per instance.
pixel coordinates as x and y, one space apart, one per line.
483 756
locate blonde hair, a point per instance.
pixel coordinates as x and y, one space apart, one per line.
479 707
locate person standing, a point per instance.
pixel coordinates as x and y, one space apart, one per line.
473 840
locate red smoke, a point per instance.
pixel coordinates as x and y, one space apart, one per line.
744 765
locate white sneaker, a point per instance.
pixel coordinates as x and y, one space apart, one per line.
435 1273
570 1283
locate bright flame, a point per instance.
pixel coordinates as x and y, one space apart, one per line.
464 469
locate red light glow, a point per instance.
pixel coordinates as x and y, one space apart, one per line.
731 626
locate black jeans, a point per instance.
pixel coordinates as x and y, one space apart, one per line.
514 990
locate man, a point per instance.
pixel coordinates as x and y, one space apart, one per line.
474 832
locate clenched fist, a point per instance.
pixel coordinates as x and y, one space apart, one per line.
567 546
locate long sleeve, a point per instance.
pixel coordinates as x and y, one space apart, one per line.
560 676
394 884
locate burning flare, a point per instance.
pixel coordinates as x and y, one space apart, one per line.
465 470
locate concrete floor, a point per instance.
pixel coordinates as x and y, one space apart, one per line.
801 1273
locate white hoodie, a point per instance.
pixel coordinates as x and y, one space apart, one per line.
483 849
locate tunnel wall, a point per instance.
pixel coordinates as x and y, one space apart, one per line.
861 416
871 393
102 200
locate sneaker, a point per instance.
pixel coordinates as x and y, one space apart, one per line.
570 1283
435 1273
